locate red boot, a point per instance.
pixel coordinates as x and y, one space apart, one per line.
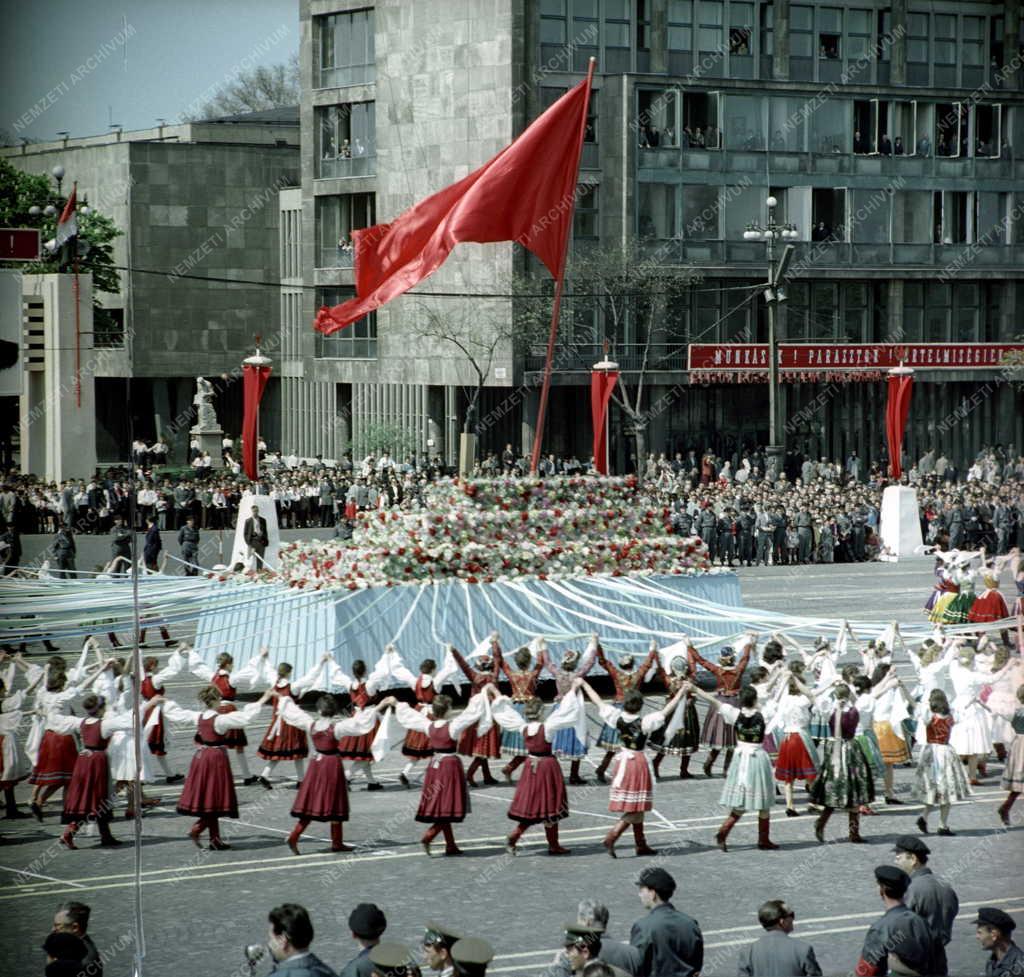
613 836
551 833
764 842
727 825
293 838
642 848
513 839
337 844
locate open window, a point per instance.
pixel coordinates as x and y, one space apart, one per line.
904 128
881 141
987 130
658 118
828 214
863 127
797 209
925 120
829 46
950 129
701 120
951 216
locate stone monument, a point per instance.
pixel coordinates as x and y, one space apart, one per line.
206 429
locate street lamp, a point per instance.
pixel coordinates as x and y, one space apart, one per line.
607 366
771 232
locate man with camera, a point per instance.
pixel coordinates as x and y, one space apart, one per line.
289 934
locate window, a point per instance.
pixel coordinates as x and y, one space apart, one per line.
108 328
885 38
741 25
913 312
336 219
855 312
346 140
966 312
767 29
801 31
973 41
912 217
657 118
788 124
742 206
951 216
936 313
552 22
872 216
355 342
700 121
830 33
584 225
680 25
616 23
828 215
951 129
944 50
346 49
858 34
700 212
917 38
709 32
989 219
744 122
987 130
643 25
656 211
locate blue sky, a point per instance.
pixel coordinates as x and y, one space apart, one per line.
64 64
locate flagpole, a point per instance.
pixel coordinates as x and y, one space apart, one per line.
559 283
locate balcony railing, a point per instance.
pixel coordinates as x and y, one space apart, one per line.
334 167
335 257
357 74
629 356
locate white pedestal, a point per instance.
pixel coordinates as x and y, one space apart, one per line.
900 527
268 511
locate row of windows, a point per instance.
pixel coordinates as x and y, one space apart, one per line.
344 44
358 341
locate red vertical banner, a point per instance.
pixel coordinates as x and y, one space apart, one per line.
253 384
896 412
602 382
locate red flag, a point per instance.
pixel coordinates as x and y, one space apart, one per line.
526 193
896 412
254 382
602 382
67 226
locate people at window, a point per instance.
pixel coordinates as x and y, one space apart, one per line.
860 144
885 145
897 147
924 146
345 152
650 138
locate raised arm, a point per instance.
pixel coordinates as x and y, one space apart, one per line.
467 670
242 717
705 664
411 718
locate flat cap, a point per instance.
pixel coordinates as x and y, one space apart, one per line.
391 959
657 879
436 934
64 946
367 921
471 957
912 844
990 916
893 877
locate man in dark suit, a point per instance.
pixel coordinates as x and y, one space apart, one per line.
289 937
900 932
366 923
153 545
121 546
73 918
254 532
669 942
932 899
64 552
777 954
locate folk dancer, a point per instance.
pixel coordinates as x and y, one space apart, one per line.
940 778
523 685
481 746
570 742
717 734
625 678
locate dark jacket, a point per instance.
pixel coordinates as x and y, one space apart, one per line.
249 532
153 545
309 965
669 942
777 954
358 966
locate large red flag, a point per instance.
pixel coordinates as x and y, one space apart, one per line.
896 411
525 193
254 382
602 382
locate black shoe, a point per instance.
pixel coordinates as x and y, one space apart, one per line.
111 843
295 786
177 778
264 782
248 782
792 812
404 781
15 815
946 833
37 810
893 800
375 786
922 826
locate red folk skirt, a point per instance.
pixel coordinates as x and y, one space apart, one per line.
988 607
358 747
155 737
58 756
209 787
416 745
88 794
794 761
233 737
635 791
323 794
289 743
540 794
487 746
445 797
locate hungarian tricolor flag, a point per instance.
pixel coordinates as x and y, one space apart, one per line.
67 226
526 193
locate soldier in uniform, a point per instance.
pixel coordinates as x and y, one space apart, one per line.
707 530
668 941
727 537
582 945
858 533
121 547
682 521
777 953
805 533
471 957
188 540
437 948
779 525
993 933
746 523
390 960
900 936
956 527
765 526
928 896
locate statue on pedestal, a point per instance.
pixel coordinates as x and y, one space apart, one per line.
206 419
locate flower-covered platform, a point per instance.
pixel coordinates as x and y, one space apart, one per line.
559 557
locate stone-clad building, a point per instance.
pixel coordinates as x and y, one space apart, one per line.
889 131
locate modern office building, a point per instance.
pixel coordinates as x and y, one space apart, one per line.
195 201
889 133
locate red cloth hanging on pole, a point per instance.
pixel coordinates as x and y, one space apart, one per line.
602 382
896 412
254 382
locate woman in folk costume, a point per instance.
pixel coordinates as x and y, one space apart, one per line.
481 746
680 736
523 686
152 686
717 733
227 682
958 610
323 794
972 735
540 796
625 678
445 797
890 710
54 754
989 606
1013 772
943 585
749 785
930 664
632 789
1017 569
844 778
571 741
209 791
282 740
1007 676
798 757
940 778
416 746
14 762
767 683
362 691
88 797
865 696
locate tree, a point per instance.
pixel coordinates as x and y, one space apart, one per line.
263 87
397 440
616 295
20 192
